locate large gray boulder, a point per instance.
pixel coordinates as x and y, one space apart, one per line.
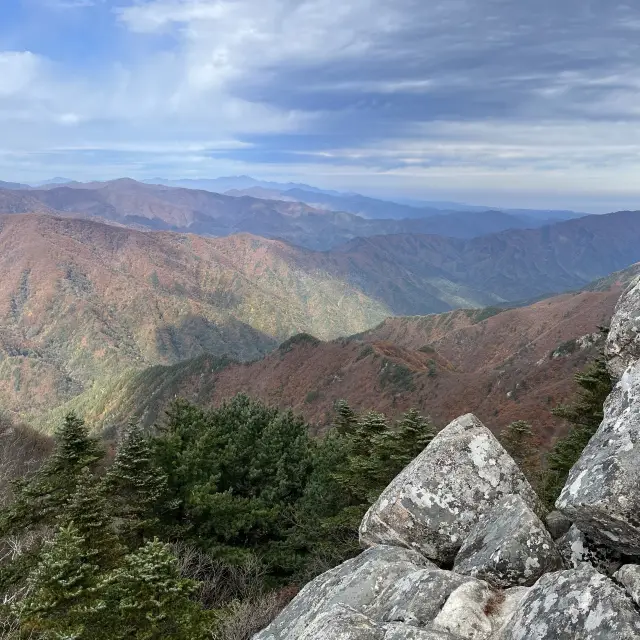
432 505
573 605
623 342
509 547
629 577
354 584
417 598
466 612
602 493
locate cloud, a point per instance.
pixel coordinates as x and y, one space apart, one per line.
71 4
442 92
18 70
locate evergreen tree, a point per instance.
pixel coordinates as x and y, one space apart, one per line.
370 447
146 599
414 433
75 449
377 452
327 522
584 417
40 499
345 419
61 590
235 473
136 486
88 512
282 463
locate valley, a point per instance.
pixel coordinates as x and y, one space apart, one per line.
504 365
103 299
81 302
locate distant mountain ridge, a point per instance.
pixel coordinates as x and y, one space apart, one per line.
223 184
380 208
395 262
13 185
139 205
351 202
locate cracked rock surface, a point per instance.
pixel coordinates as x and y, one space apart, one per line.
510 547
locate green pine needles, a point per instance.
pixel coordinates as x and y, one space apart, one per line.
87 570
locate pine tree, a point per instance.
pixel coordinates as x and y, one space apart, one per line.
370 445
346 419
88 512
61 590
371 425
135 485
584 417
39 500
281 465
146 599
414 433
75 449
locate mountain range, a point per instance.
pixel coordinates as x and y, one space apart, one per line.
352 202
110 287
380 209
147 206
505 365
83 303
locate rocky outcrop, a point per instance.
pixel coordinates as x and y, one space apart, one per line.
405 632
509 547
574 605
433 504
355 584
466 612
417 598
623 342
577 551
342 623
601 494
463 504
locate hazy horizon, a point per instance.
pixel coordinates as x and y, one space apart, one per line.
504 104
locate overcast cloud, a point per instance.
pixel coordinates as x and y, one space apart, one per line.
497 101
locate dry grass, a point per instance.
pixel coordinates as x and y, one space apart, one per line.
247 617
236 592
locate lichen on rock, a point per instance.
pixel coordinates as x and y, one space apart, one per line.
509 547
578 604
432 505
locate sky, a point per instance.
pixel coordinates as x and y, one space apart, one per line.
499 102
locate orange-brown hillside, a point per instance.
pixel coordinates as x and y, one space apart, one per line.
516 364
82 302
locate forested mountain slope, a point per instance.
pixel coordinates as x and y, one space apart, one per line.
82 302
